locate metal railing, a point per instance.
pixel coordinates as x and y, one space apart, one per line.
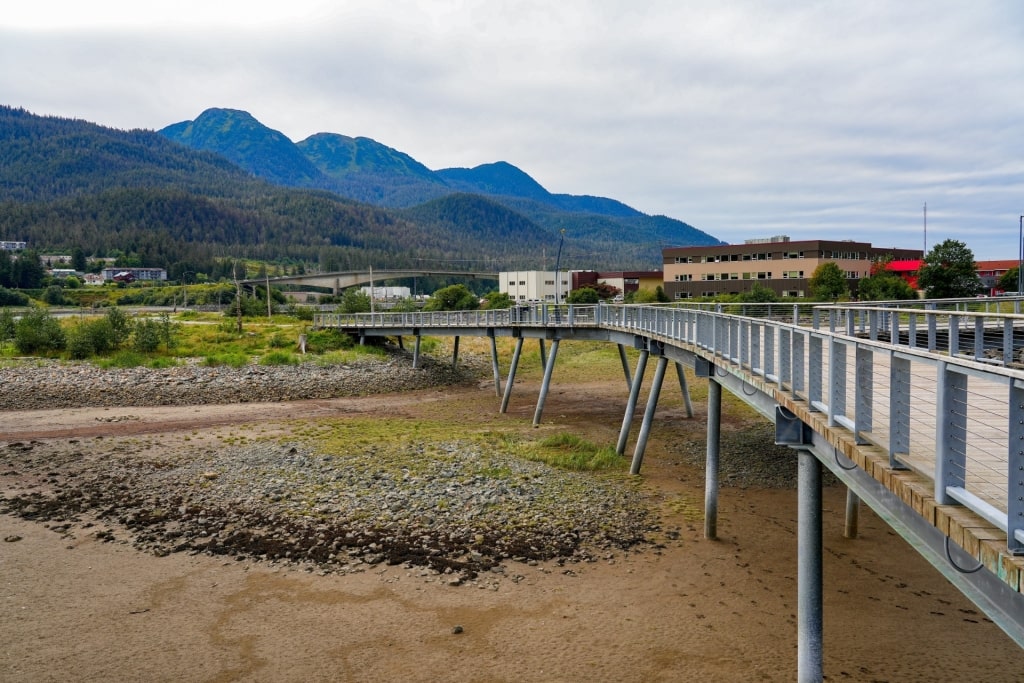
935 384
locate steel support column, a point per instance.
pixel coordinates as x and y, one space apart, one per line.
546 384
625 365
652 404
494 366
852 514
634 394
685 389
712 460
809 569
511 374
455 353
416 352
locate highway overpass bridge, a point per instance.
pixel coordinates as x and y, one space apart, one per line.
917 408
339 280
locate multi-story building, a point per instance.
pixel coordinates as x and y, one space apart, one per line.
12 246
776 263
134 274
534 285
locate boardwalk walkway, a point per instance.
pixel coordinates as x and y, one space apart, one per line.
919 411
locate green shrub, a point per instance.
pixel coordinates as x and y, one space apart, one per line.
120 327
161 362
38 332
79 342
322 341
53 295
146 336
280 341
9 297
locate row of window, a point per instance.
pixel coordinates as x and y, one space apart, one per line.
762 275
768 256
792 293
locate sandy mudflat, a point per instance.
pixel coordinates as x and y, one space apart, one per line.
77 608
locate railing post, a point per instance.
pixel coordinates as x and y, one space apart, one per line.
932 324
815 360
756 365
769 352
979 337
863 394
899 410
1007 341
954 334
799 376
785 356
836 380
1015 469
950 432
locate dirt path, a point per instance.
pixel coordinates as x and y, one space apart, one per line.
75 608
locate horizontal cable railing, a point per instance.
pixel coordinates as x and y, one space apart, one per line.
938 387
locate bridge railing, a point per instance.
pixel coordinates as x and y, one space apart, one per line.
905 380
540 315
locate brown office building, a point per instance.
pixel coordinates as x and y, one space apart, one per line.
776 263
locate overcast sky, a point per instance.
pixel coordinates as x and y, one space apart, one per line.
744 118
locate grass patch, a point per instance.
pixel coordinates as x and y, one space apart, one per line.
232 360
122 359
279 358
570 452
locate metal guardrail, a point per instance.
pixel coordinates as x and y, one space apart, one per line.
935 384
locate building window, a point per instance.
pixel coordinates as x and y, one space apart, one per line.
684 278
792 274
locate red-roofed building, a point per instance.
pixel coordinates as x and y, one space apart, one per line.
990 271
907 270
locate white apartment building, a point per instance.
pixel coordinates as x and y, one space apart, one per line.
535 285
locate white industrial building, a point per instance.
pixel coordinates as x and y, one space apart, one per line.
534 285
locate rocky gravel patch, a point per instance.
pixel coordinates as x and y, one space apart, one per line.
55 384
458 513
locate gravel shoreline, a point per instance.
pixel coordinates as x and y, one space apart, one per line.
54 384
457 511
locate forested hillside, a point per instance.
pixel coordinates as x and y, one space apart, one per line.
146 200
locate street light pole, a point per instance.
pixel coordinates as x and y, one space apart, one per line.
1020 257
558 263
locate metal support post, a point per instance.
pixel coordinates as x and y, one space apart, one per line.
543 355
494 366
712 461
634 394
416 352
685 389
625 365
852 514
546 384
511 374
455 354
652 404
809 569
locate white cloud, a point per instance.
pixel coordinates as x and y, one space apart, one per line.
742 118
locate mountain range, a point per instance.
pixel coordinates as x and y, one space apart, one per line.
226 185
